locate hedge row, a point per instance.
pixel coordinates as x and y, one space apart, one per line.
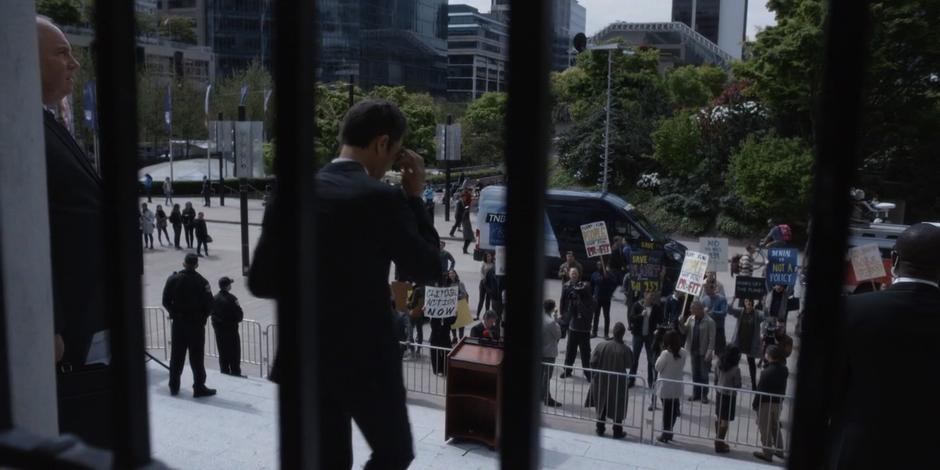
194 188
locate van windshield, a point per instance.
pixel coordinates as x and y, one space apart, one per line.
645 224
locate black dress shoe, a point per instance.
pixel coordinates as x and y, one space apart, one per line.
203 392
551 402
599 431
619 435
765 458
174 391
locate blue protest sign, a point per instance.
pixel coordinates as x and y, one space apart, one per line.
781 266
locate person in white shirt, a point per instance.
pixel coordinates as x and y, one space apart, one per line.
670 366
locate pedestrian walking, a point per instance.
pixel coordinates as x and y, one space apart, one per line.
608 392
189 219
458 216
167 191
772 385
429 200
206 191
202 235
148 186
551 333
577 311
447 260
176 220
161 226
670 366
699 329
187 298
604 283
644 317
226 315
147 221
486 297
728 377
468 235
747 335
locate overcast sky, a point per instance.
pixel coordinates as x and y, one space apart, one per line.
601 13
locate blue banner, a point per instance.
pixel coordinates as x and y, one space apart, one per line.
782 266
89 103
168 110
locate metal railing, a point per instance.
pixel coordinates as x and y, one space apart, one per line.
249 332
752 425
156 336
270 347
418 371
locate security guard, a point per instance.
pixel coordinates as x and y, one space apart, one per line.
226 315
188 297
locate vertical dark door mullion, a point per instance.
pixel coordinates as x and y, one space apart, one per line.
295 51
527 146
846 52
114 48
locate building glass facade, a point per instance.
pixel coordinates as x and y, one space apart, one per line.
700 15
238 31
477 51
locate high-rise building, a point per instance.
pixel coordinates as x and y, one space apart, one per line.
723 22
477 48
568 19
238 31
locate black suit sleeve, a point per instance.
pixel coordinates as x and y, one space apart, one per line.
168 294
413 242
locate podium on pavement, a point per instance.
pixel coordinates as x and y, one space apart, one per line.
474 391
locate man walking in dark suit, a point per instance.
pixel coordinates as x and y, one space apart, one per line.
353 206
226 315
875 421
76 213
188 299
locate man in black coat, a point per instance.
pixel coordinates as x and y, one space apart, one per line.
875 421
76 214
226 315
644 317
187 297
577 310
361 367
189 223
202 234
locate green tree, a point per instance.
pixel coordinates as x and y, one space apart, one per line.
226 94
63 12
421 112
189 118
695 86
179 29
772 176
676 142
483 128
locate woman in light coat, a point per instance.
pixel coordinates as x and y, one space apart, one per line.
146 225
670 366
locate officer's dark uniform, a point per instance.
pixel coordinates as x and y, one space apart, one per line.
226 315
187 296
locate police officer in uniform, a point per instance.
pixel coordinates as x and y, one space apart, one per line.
226 315
188 297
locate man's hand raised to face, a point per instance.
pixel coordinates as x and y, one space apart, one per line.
412 173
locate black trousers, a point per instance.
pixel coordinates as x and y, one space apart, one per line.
640 342
230 347
189 336
190 235
161 232
602 306
578 340
670 414
202 244
439 338
208 201
752 370
177 229
378 407
148 240
485 300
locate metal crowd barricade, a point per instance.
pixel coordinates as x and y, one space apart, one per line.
155 330
417 371
270 346
578 403
751 427
251 337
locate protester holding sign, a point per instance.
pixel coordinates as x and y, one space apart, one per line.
440 305
747 335
453 280
692 274
596 239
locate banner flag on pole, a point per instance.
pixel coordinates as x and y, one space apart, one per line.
168 110
208 90
244 94
89 99
267 96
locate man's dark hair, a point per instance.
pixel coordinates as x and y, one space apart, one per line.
776 353
548 305
369 119
919 251
619 331
191 260
490 314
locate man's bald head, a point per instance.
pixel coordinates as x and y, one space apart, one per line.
57 65
917 252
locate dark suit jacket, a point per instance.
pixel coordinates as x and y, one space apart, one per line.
635 318
75 239
362 226
479 328
886 359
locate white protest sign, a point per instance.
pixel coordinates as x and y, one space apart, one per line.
867 262
440 302
692 276
717 251
596 240
500 261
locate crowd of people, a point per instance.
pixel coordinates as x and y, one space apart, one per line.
188 223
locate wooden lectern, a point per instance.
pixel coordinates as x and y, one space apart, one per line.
474 392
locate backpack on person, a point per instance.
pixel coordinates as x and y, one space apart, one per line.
785 232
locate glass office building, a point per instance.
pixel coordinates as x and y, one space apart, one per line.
477 50
238 31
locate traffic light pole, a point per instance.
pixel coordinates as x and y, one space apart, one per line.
218 141
243 196
446 201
